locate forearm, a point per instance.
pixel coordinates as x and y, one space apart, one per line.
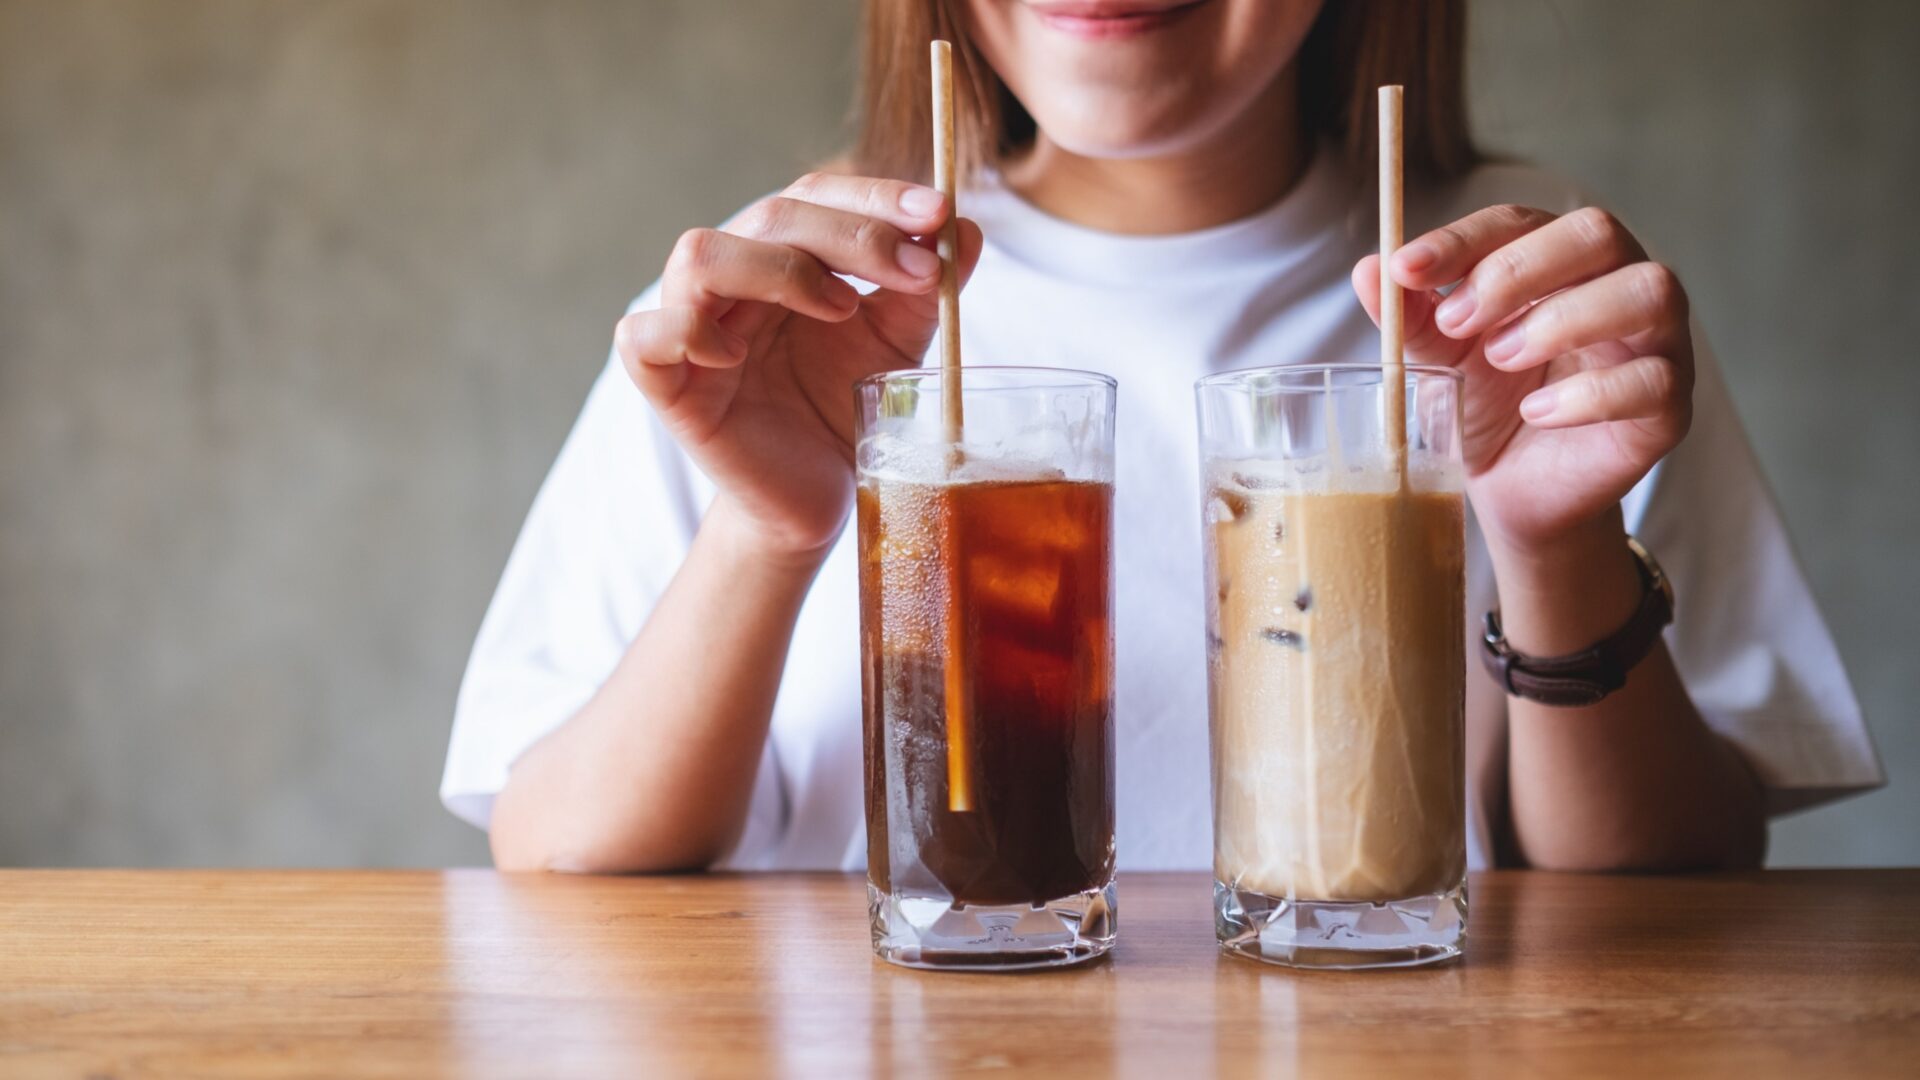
656 771
1638 780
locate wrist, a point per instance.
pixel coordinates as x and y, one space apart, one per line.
1562 594
744 543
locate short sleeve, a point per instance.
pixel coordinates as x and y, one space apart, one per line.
606 532
1748 638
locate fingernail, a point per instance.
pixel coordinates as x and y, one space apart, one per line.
917 261
736 345
1455 310
1506 344
1540 404
920 202
842 295
1416 257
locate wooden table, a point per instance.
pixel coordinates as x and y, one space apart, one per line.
264 973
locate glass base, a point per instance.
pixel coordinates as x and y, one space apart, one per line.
937 934
1341 935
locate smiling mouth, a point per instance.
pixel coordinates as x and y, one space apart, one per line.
1098 20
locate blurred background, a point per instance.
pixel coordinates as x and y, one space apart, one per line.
298 299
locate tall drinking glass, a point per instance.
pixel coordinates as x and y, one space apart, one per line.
1336 640
986 642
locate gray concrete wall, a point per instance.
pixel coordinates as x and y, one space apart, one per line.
1768 150
297 300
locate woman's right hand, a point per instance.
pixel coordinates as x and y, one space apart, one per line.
751 357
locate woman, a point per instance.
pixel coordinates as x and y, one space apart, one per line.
668 675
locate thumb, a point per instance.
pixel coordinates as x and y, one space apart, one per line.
1425 343
907 321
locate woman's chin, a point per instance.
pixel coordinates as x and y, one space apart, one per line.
1124 142
1128 120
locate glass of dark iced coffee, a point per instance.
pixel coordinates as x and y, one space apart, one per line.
1335 559
986 602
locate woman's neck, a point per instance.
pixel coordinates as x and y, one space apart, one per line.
1245 167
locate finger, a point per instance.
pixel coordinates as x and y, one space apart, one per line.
657 347
1557 255
906 321
1446 254
1423 342
911 208
712 270
1487 417
846 242
1642 305
1647 388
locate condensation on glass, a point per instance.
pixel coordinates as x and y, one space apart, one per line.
1335 592
986 623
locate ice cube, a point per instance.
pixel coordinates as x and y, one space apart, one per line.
1255 474
1022 587
1225 504
977 468
889 455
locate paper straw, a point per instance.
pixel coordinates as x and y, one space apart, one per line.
1393 319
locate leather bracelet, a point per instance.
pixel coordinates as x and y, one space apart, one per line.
1588 676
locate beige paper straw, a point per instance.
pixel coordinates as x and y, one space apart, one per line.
1393 319
957 705
943 179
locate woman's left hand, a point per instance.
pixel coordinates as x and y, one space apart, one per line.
1577 355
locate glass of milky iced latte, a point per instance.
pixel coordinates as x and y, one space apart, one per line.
1336 640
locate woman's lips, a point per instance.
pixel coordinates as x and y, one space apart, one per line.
1101 20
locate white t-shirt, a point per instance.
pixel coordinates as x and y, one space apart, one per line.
615 517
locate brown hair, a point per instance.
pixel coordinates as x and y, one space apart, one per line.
1354 47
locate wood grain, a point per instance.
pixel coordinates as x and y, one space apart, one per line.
264 973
